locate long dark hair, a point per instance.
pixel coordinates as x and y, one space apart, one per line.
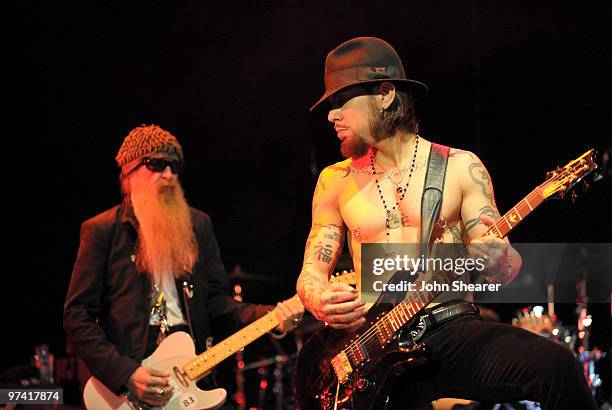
400 115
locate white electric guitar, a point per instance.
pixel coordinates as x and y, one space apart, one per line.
176 355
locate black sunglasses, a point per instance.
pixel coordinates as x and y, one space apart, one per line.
159 165
340 98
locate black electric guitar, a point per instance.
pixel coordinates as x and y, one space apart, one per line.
336 369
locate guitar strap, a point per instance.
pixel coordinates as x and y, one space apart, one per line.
431 200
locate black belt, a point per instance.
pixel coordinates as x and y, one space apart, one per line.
432 318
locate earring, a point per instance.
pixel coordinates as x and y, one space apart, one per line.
383 113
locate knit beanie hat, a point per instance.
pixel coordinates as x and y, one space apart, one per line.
148 140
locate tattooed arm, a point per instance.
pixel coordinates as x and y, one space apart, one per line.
334 304
478 213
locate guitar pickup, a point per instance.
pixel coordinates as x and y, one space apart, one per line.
342 367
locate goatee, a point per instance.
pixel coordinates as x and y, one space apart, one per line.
354 147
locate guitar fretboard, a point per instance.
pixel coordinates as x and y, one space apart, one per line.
515 215
385 329
224 349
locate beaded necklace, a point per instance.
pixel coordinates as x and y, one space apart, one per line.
393 219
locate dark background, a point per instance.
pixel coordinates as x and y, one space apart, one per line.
525 86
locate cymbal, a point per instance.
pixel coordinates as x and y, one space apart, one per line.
267 362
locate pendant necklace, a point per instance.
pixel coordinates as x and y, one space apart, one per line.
394 219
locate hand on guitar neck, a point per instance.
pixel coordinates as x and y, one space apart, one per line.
502 261
289 314
339 305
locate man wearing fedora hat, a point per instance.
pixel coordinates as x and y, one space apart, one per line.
374 196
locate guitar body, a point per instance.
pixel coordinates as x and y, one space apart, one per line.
369 387
176 350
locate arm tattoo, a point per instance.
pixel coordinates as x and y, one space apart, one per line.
481 180
320 185
329 235
454 152
457 238
456 234
323 252
309 287
485 210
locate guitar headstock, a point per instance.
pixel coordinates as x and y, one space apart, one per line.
344 277
561 180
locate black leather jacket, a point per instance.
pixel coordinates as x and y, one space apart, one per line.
107 308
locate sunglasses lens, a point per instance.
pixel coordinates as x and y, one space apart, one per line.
176 167
159 165
156 165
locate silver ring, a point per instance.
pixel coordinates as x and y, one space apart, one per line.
161 392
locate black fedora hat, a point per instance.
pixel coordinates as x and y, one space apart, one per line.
365 60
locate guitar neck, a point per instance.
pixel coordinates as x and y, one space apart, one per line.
206 361
515 215
406 310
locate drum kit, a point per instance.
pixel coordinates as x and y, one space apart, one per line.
576 338
545 323
264 383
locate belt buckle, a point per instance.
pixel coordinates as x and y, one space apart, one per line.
419 329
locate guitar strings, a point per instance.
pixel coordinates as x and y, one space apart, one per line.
367 338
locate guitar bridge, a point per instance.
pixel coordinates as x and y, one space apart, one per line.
342 367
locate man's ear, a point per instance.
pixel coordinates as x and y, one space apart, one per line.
387 94
124 183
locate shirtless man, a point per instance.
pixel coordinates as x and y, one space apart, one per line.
375 193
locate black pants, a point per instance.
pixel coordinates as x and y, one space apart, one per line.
494 363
